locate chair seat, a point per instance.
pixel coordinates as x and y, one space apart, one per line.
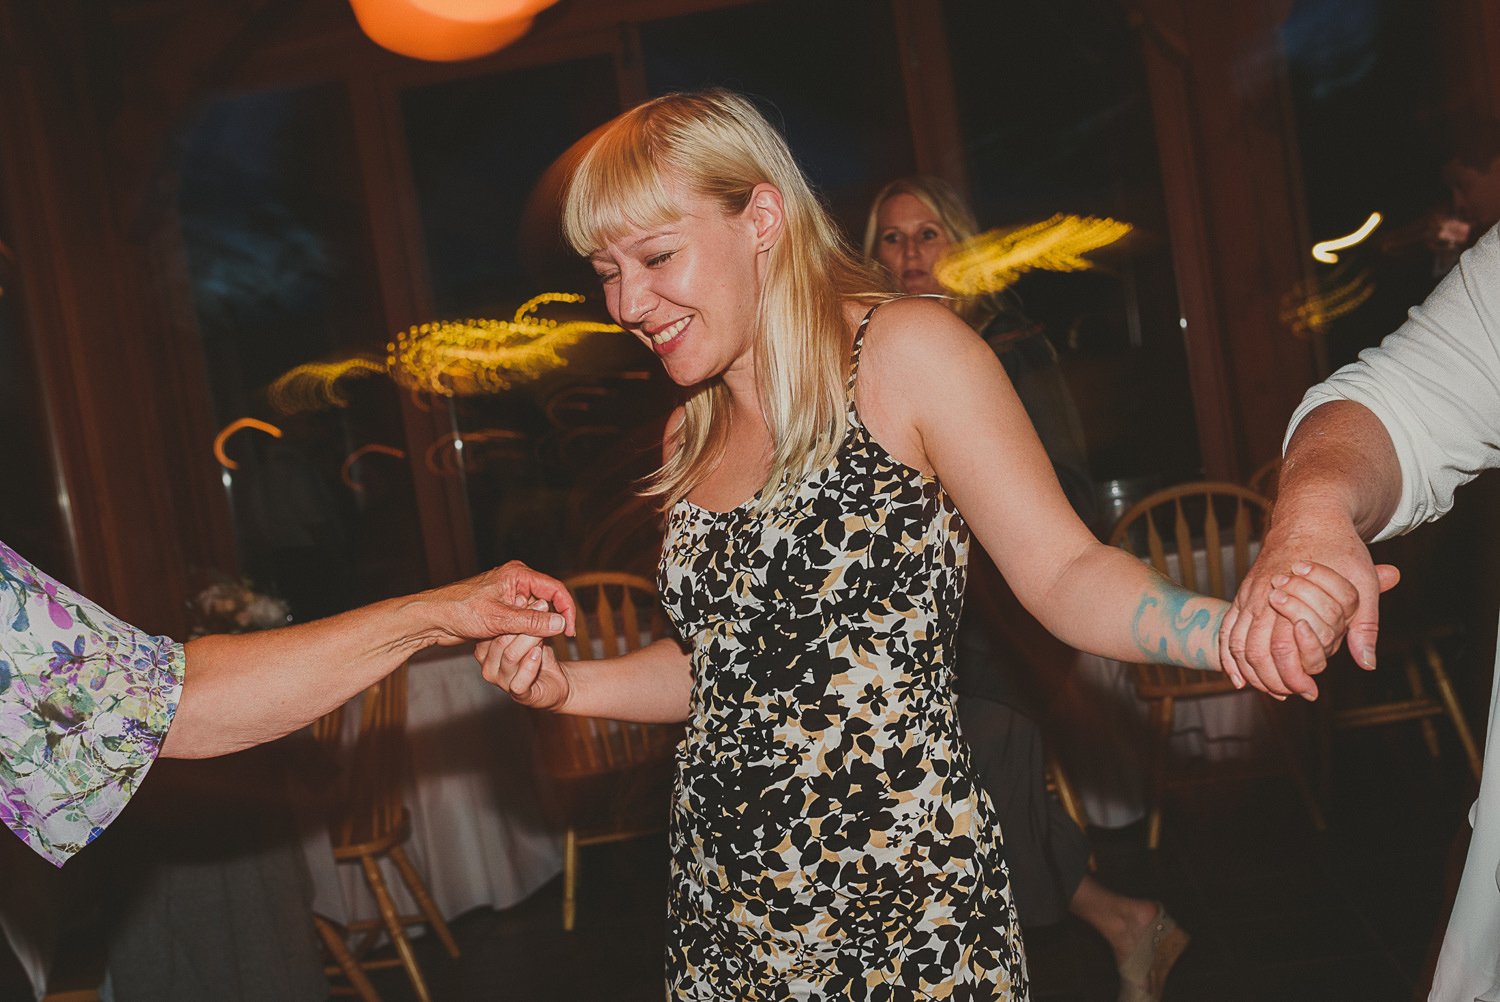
377 845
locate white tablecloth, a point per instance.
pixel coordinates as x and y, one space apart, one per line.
1104 743
480 835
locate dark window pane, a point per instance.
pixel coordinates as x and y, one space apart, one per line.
828 77
1366 89
30 521
1055 114
548 462
278 250
477 148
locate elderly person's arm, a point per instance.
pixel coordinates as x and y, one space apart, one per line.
241 690
1377 449
87 701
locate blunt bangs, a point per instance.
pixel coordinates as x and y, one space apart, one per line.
618 186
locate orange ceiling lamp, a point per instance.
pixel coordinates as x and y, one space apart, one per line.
446 31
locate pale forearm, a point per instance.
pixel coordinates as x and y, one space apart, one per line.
1111 604
244 689
651 685
1340 464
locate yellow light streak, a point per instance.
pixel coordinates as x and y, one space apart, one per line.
1308 308
360 453
237 425
993 260
314 386
486 356
1324 251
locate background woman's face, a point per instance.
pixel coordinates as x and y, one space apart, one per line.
908 241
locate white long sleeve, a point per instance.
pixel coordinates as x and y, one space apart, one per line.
1435 385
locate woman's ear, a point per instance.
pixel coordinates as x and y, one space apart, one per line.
767 213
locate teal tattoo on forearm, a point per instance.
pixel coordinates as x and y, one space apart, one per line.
1175 626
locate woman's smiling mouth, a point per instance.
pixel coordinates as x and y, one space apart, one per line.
664 339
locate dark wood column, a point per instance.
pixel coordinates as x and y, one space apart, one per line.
129 423
1235 208
936 135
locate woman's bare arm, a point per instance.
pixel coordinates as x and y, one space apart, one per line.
244 689
650 685
938 399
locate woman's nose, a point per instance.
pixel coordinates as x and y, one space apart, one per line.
636 301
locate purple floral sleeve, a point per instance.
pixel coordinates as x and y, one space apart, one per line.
85 701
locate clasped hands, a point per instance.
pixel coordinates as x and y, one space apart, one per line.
1312 585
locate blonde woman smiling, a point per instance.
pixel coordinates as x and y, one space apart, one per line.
820 483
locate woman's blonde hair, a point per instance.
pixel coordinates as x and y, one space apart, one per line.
716 145
953 215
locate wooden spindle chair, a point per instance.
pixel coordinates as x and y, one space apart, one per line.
612 777
373 823
1265 479
1161 686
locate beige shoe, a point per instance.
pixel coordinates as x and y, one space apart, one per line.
1143 975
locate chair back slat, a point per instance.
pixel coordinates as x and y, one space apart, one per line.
1215 548
609 636
1188 567
630 622
1242 539
1154 547
584 636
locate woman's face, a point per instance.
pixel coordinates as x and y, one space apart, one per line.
690 290
908 241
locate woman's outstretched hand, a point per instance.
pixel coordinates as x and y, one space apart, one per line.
510 599
525 667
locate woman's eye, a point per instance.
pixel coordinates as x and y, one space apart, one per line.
891 237
606 277
930 234
658 260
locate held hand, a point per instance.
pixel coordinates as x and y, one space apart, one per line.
1312 582
508 600
525 667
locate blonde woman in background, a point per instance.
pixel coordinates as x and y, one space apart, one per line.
912 223
828 839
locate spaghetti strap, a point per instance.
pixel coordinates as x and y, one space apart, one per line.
859 341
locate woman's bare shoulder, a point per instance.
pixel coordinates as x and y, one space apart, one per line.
920 331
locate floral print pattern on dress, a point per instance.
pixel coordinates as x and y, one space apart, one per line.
85 702
828 837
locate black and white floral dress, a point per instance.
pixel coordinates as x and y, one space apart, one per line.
828 839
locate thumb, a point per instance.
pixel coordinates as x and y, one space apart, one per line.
1389 576
1364 629
531 622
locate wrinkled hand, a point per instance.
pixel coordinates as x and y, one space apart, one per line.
512 599
526 668
1312 584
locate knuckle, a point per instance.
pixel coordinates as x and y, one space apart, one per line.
1282 649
